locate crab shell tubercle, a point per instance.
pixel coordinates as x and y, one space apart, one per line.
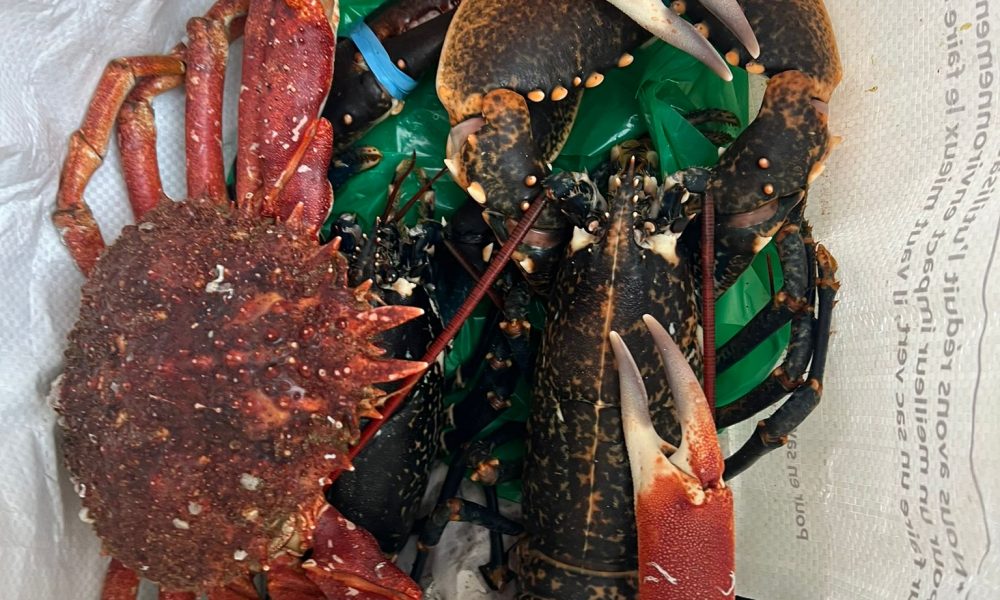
684 511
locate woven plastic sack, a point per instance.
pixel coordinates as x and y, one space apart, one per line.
889 490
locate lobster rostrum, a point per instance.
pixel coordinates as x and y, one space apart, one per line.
512 105
221 362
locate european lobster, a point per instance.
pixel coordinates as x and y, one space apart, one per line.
221 363
511 108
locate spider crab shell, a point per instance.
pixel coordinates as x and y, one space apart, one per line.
213 381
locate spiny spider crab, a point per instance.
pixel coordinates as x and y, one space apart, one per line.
220 363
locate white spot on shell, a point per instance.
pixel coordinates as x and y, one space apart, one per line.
670 579
240 555
303 169
181 524
298 128
194 508
404 287
250 482
216 286
337 559
85 515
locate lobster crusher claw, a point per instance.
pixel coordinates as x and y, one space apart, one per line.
684 511
657 18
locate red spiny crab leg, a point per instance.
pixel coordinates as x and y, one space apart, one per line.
660 20
89 144
684 511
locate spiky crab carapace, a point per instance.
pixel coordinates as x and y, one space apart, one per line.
221 363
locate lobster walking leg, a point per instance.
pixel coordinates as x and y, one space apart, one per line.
773 432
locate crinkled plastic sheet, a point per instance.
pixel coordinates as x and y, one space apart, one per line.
889 490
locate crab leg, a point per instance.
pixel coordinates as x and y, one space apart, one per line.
89 144
137 141
88 147
684 511
208 50
664 23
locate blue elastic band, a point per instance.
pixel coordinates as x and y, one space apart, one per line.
396 82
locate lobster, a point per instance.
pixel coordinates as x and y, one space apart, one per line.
511 108
512 105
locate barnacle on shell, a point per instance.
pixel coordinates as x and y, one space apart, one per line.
214 379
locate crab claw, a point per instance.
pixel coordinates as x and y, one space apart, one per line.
664 23
347 563
684 511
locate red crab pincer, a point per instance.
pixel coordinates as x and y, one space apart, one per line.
220 364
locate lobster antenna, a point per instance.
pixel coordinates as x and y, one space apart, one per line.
420 192
708 298
397 185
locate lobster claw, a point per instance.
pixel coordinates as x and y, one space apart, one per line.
664 23
684 511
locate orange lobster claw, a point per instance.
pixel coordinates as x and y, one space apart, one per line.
684 511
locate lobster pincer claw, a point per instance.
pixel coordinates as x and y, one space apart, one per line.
684 511
660 20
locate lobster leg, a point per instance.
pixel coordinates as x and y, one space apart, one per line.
452 508
793 299
496 573
785 378
684 511
773 432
